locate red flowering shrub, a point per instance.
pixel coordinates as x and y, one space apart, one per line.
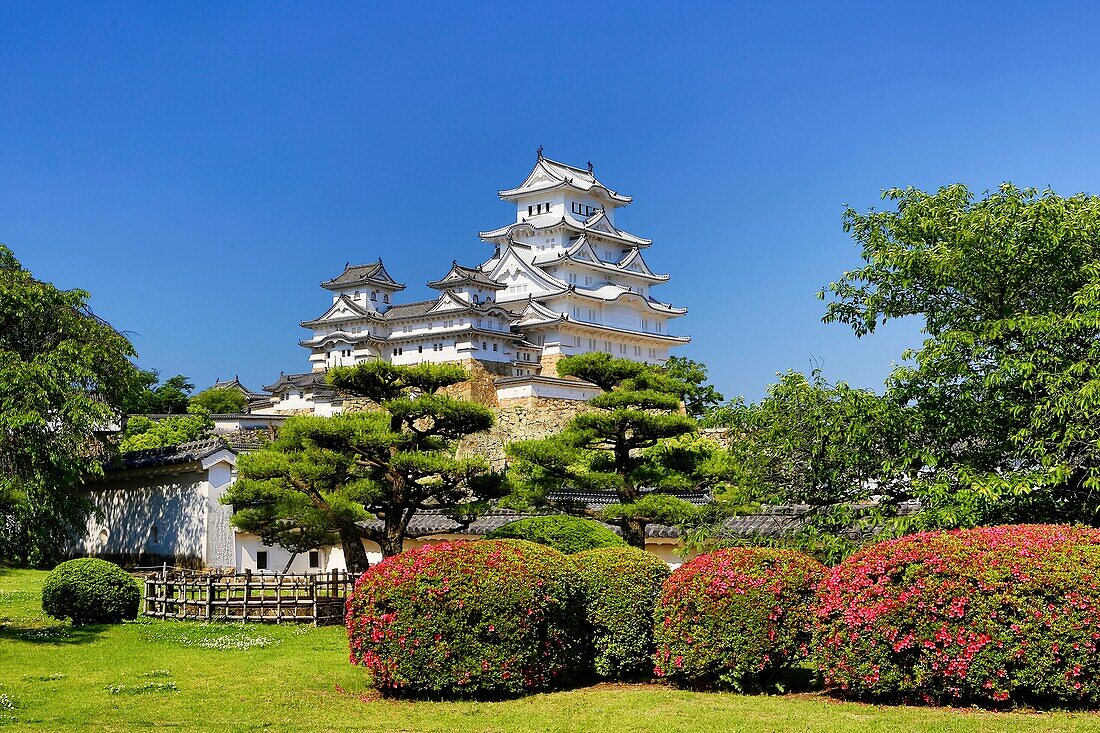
469 619
735 618
990 616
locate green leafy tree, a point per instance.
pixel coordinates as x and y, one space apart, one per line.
64 375
1006 383
699 396
829 446
614 447
325 480
221 400
168 398
142 433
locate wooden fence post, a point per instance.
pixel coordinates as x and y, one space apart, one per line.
247 593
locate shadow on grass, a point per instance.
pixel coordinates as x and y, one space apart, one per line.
29 632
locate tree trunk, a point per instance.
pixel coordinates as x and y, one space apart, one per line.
391 545
633 532
355 555
392 541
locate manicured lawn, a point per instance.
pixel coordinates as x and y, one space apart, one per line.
191 677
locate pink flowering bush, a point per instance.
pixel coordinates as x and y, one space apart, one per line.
992 616
735 618
483 619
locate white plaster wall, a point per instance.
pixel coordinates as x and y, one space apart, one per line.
127 511
219 533
549 391
332 558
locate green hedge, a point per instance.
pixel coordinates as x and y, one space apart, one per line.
90 591
563 533
622 585
481 619
736 618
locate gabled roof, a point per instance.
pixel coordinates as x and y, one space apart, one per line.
609 292
598 224
509 260
421 308
343 309
340 337
583 252
537 313
234 383
460 275
550 174
373 273
305 380
633 262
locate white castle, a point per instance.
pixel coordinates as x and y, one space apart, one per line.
562 280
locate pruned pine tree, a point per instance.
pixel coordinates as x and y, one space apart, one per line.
612 447
328 479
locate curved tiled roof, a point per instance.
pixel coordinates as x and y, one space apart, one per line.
459 274
550 174
372 273
171 455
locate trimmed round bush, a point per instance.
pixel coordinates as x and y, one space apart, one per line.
993 616
90 591
736 619
622 585
484 619
563 533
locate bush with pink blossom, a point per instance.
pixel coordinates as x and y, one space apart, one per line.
486 619
735 619
993 616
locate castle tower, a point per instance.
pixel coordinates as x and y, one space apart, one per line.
586 283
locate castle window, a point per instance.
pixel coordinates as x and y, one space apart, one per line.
494 347
622 348
484 345
420 349
530 210
314 559
386 298
155 534
374 295
573 278
477 298
479 323
261 560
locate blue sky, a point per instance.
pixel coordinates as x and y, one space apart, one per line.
201 167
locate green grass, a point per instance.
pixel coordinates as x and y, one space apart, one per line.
193 677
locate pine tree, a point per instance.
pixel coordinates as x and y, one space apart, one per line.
327 479
614 447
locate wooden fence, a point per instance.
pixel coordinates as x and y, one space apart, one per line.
187 595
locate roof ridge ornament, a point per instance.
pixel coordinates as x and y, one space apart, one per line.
590 166
538 152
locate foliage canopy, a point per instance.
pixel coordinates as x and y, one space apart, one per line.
64 376
613 447
362 475
1006 386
